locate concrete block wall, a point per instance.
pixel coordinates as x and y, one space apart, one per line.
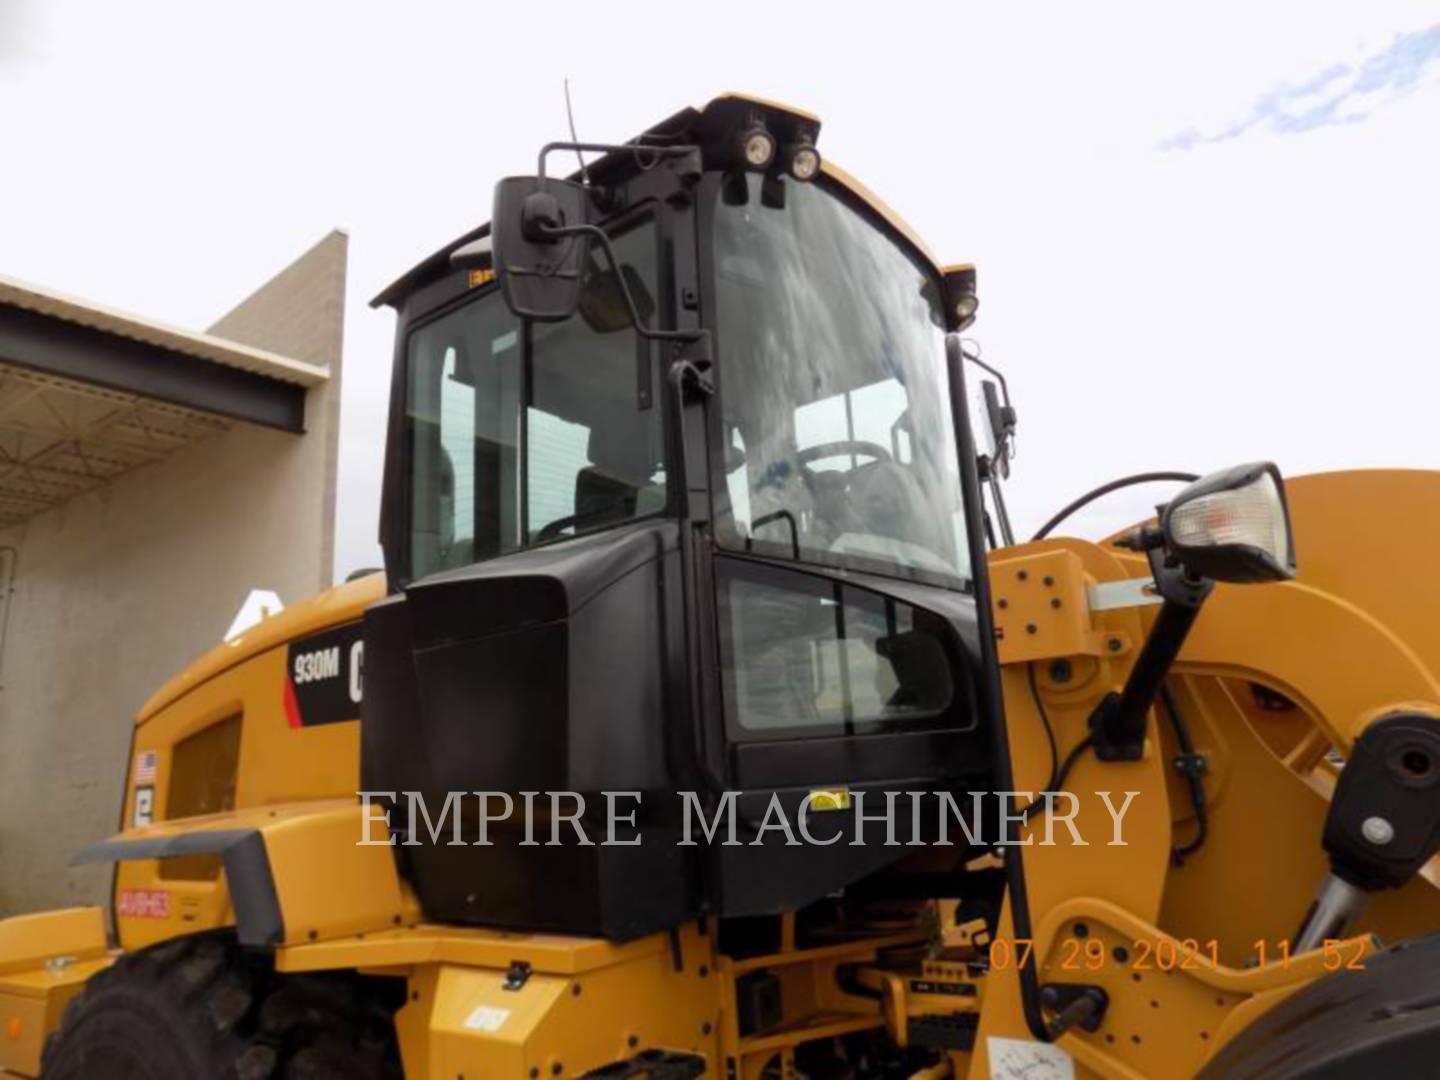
118 589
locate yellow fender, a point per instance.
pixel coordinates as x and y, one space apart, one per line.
292 874
44 961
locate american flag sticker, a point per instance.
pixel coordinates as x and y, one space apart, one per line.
146 764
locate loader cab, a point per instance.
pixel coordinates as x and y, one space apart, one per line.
701 533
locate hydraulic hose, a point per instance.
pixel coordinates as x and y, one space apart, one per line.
1106 489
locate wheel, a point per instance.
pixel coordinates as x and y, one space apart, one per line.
1381 1018
201 1007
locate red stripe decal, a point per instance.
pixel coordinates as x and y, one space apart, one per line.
292 707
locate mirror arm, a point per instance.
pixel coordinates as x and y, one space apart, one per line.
1118 722
992 468
598 235
974 358
693 350
1002 513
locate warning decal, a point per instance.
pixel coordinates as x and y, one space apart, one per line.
487 1018
1024 1059
142 904
323 677
144 807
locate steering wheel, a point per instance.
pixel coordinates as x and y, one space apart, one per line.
828 487
841 448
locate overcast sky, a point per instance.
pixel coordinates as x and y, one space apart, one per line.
1203 237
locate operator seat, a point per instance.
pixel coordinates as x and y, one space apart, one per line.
617 485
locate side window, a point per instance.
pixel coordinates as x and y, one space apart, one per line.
464 418
737 481
593 425
804 655
456 482
523 434
559 450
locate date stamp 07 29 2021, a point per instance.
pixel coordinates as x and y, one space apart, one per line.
1080 952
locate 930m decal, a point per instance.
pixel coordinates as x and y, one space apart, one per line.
323 677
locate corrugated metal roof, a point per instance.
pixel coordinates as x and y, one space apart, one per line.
60 437
189 342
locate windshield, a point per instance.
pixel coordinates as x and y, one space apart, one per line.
518 436
839 442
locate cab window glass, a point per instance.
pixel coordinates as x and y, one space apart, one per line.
464 412
804 655
831 346
516 440
595 446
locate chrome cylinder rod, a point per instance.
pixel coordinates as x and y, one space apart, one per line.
1336 905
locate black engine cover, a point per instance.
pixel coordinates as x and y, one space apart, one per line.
541 672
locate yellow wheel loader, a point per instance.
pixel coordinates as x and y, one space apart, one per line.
708 721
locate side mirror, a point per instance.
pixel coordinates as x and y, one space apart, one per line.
1233 525
1001 419
539 244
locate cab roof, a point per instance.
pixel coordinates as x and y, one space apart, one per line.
708 127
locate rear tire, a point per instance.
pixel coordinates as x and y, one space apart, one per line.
200 1007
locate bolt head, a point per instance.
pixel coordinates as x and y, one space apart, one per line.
1377 831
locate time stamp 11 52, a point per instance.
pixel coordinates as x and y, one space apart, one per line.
1082 952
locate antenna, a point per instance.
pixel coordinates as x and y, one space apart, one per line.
570 116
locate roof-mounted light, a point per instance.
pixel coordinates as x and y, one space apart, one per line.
803 160
757 147
965 308
960 296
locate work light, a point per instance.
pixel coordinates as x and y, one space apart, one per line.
758 146
804 161
965 308
1232 525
